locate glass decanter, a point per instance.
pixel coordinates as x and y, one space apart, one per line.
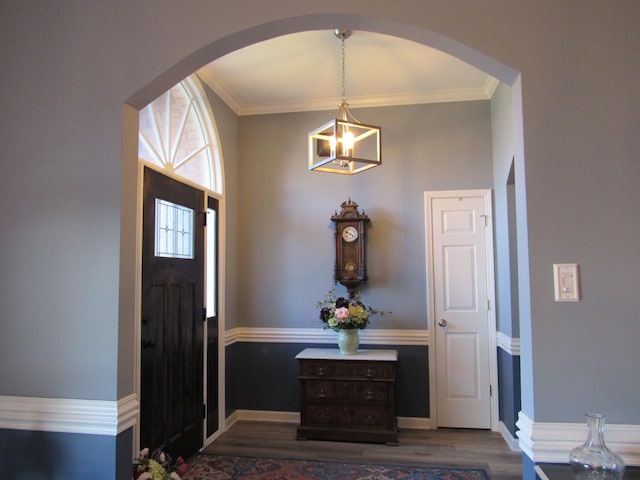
593 460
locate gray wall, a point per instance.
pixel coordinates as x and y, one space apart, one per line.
65 247
503 154
228 127
286 242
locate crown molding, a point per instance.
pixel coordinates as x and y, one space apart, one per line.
484 92
490 86
91 417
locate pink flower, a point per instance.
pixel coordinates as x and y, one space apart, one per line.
342 314
182 469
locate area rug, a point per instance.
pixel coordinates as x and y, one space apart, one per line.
217 467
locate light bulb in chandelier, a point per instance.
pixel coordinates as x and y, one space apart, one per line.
345 145
348 142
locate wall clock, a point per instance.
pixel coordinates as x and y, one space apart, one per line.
350 236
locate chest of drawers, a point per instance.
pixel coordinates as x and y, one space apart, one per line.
347 397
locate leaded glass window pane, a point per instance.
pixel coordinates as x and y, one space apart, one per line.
174 230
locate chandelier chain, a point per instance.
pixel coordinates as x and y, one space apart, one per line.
343 99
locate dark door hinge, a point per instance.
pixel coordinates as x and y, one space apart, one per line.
204 411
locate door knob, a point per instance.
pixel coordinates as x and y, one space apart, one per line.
442 322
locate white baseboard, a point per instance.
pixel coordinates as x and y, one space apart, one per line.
510 440
418 423
91 417
262 416
545 442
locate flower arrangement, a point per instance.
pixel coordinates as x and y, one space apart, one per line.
342 313
158 467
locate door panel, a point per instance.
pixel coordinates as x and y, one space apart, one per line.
460 278
462 382
460 334
172 330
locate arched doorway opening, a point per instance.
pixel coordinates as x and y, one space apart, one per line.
290 25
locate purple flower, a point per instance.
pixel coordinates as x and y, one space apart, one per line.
342 303
325 314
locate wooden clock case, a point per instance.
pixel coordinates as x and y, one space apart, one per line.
350 267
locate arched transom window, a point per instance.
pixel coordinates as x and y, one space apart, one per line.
177 133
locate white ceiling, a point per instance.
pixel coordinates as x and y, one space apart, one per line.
302 72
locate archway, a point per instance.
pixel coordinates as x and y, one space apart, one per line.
266 31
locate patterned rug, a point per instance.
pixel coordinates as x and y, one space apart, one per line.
216 467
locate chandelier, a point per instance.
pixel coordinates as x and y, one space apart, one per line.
344 145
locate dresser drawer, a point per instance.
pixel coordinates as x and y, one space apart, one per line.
374 371
320 390
323 415
310 369
370 392
347 370
370 417
337 391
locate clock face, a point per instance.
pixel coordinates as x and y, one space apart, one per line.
349 234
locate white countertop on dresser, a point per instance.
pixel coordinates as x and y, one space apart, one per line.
334 354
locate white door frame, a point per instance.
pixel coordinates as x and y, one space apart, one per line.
491 317
221 306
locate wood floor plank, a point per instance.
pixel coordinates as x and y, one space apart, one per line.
454 447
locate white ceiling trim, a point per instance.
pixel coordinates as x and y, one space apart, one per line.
484 92
300 72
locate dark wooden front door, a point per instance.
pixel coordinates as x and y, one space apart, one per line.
171 403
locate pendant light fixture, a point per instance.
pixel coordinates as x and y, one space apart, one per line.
344 145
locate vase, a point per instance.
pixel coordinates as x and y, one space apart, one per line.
348 341
593 460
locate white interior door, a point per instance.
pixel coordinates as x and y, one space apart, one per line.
462 327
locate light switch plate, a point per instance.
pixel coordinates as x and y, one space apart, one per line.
566 282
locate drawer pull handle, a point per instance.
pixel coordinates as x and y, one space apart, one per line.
322 394
370 396
320 371
370 372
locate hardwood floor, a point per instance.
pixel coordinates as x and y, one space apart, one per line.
456 447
